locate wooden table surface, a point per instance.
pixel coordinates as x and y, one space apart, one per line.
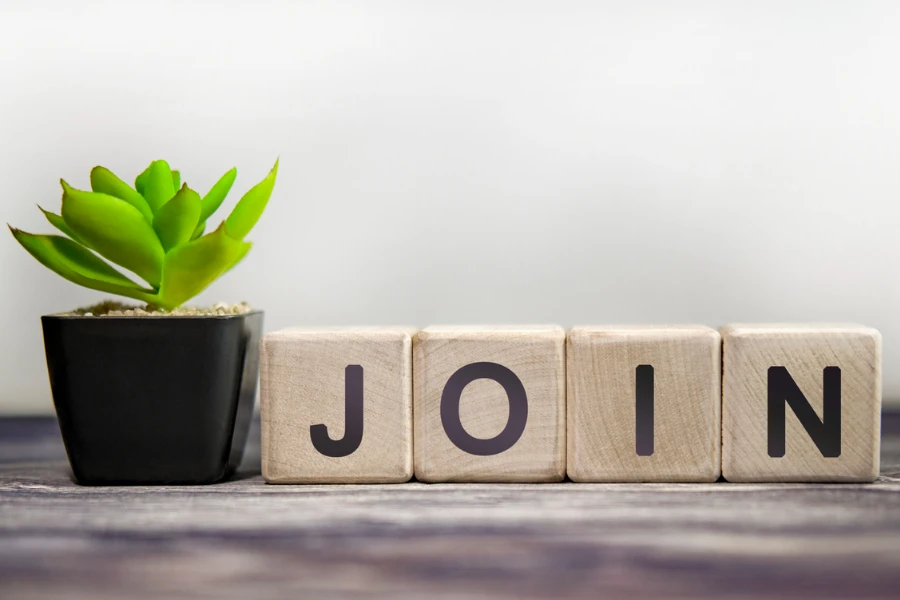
245 539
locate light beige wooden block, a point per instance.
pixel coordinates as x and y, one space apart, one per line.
476 369
831 373
677 436
303 374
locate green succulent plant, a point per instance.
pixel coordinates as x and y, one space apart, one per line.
154 229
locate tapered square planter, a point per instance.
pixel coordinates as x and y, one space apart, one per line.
153 400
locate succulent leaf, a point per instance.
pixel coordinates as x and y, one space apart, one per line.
79 265
190 268
176 180
60 223
158 188
244 250
248 210
176 221
216 195
198 231
140 182
106 182
116 230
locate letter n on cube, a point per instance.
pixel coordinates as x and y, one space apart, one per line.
801 402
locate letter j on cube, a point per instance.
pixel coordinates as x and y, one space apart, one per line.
336 405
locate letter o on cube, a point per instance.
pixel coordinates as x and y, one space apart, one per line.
499 392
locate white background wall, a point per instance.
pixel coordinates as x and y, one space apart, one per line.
479 161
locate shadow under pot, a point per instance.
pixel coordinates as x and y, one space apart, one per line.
153 400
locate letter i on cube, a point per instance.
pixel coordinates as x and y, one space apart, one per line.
644 403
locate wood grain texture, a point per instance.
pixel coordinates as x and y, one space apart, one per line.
302 376
243 539
805 350
601 368
537 357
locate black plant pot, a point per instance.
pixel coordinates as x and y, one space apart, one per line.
152 400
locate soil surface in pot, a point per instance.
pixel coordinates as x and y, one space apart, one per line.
111 308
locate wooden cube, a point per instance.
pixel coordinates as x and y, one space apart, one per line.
644 403
801 403
490 404
336 405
